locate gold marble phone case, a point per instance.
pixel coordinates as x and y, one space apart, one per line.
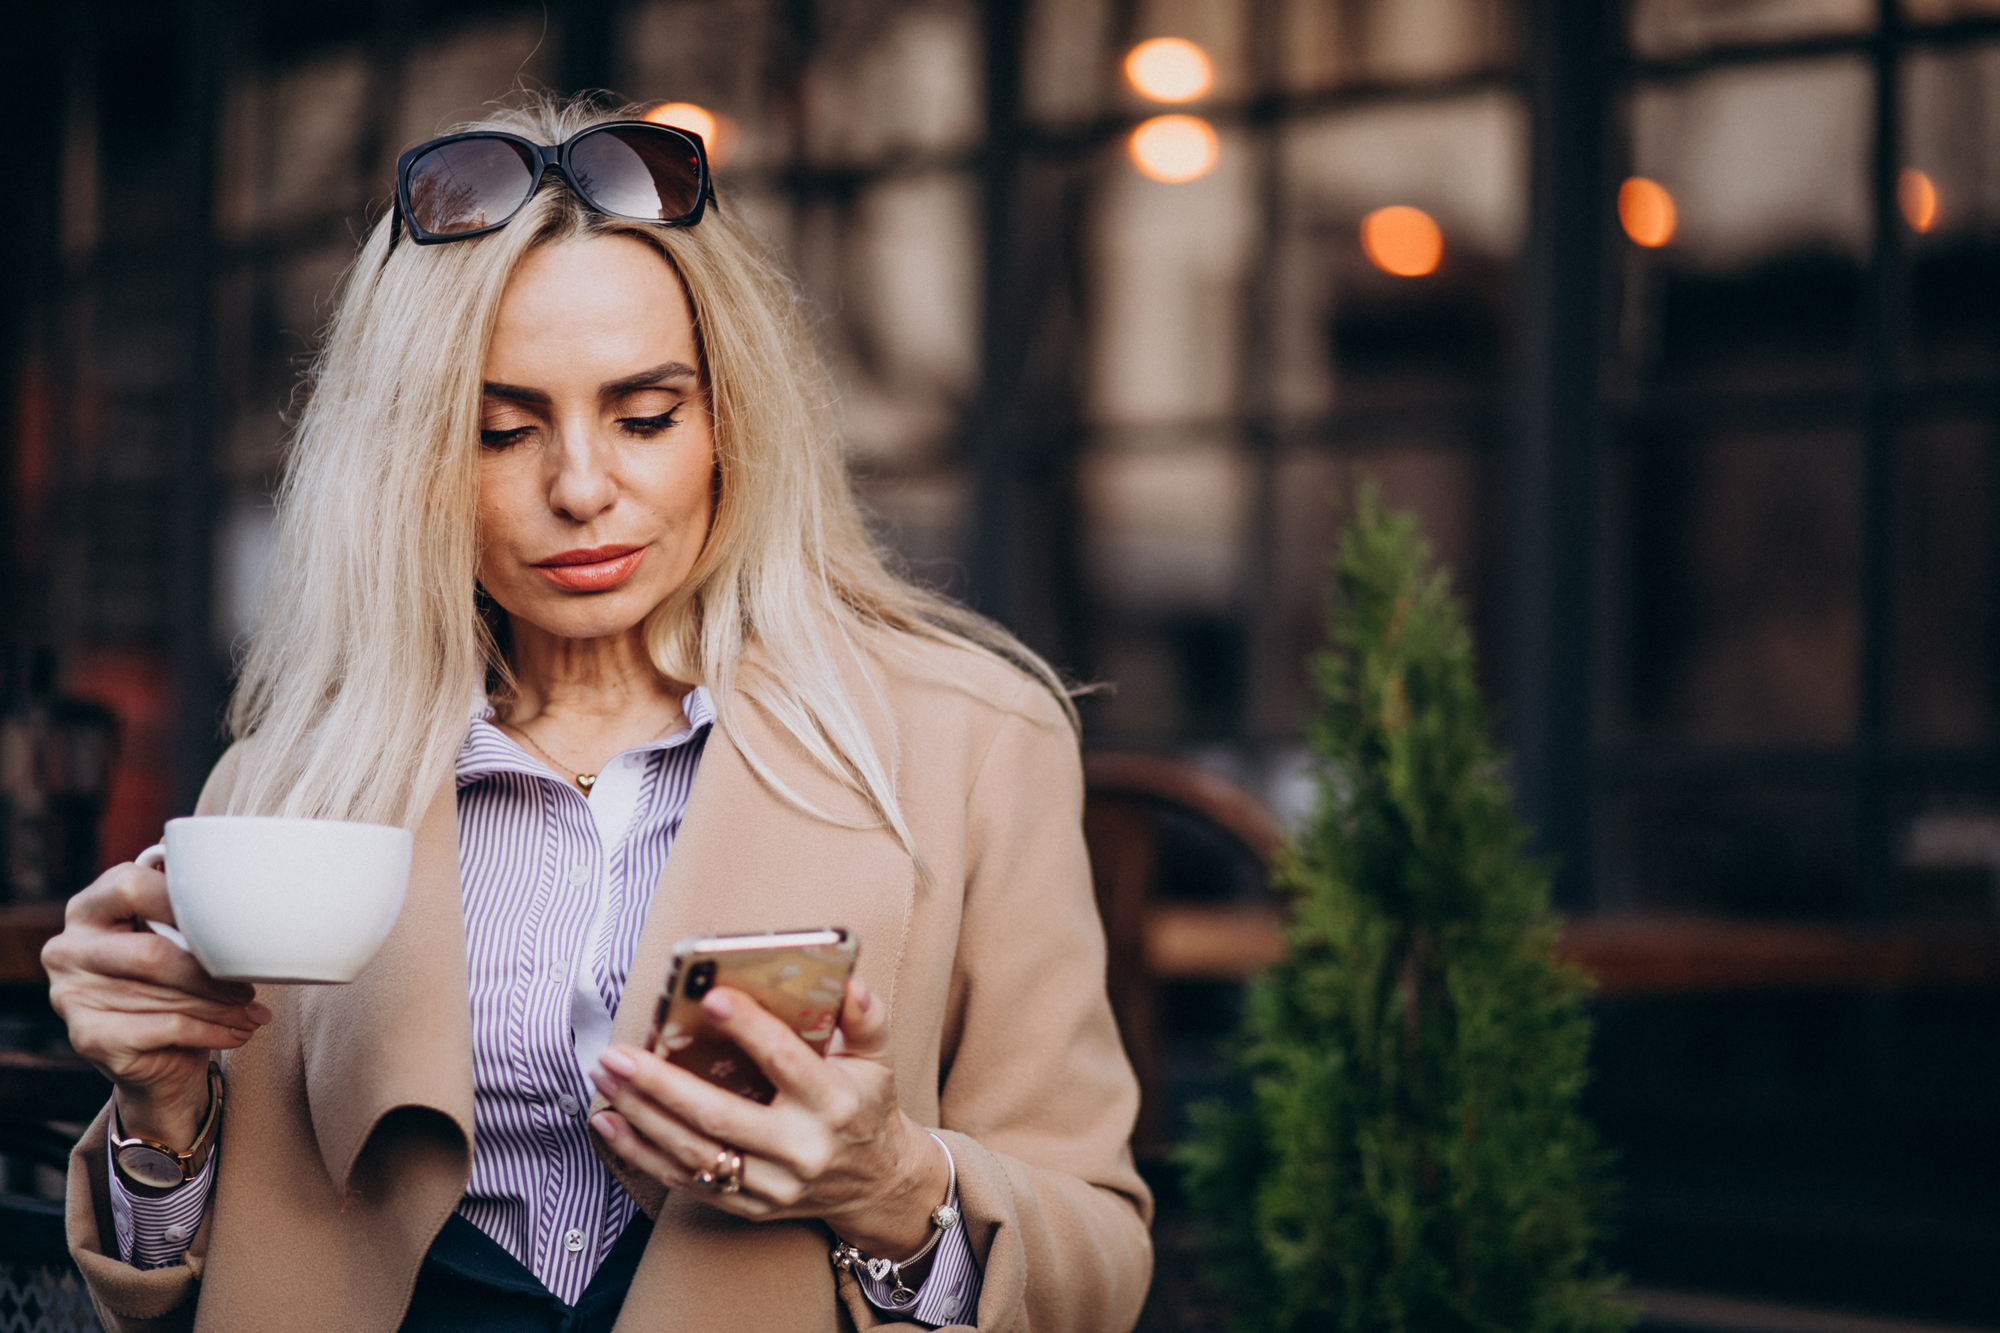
798 975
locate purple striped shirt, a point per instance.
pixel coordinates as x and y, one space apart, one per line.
556 886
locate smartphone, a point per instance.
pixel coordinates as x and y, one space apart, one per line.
799 975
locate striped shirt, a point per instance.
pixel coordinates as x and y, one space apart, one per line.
556 885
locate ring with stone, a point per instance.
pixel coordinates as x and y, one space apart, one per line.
732 1182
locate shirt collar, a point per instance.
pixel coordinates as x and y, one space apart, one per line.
487 750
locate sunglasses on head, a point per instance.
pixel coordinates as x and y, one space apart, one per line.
465 185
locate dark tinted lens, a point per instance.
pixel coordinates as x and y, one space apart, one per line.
469 184
637 172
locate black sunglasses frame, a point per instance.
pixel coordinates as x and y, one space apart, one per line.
546 157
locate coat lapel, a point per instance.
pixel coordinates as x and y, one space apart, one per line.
400 1035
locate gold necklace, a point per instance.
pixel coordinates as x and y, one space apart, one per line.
584 781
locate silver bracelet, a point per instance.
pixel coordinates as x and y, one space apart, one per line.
943 1218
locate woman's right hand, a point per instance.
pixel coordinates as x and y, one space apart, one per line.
141 1009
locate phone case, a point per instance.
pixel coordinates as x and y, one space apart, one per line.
800 976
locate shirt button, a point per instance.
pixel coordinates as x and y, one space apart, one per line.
579 874
569 1104
174 1235
573 1240
559 968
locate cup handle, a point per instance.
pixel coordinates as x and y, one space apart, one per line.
155 858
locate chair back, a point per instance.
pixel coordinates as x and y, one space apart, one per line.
1161 829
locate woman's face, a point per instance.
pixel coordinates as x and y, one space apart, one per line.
597 455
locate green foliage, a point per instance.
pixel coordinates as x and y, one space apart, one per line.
1410 1158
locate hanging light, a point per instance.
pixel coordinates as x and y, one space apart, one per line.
1647 212
1402 240
1169 69
1917 195
717 131
1175 149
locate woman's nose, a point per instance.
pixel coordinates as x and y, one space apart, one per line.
583 485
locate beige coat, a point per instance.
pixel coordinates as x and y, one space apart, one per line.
348 1130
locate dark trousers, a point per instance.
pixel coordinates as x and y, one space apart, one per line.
468 1284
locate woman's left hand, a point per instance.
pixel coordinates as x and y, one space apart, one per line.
832 1144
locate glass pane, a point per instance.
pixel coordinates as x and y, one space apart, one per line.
1325 43
1165 527
1463 161
1676 27
1763 160
1947 570
1950 200
895 79
1741 575
1944 11
899 282
1068 64
1166 277
1709 847
1356 336
1948 861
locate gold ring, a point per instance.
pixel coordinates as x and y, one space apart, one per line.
716 1177
733 1182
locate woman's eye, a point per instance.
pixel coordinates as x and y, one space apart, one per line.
643 426
500 439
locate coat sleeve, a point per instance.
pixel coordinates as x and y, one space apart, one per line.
129 1299
1038 1098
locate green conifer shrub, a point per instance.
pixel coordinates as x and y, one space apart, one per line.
1410 1158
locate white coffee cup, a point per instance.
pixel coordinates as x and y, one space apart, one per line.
258 898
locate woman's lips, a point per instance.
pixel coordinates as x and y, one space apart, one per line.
598 569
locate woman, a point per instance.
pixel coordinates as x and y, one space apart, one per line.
574 471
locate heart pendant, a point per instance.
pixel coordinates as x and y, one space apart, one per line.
879 1268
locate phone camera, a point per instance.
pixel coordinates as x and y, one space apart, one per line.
701 978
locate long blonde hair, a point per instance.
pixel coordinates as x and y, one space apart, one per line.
355 691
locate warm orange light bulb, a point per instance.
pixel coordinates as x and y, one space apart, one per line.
1175 148
1402 240
1918 196
1169 69
717 131
1647 212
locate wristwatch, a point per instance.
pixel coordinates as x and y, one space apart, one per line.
151 1168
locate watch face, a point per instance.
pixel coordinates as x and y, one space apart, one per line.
150 1166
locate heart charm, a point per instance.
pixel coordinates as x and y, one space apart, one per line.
879 1268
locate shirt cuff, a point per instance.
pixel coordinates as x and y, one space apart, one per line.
950 1294
156 1232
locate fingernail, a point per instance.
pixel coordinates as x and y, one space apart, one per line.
241 1034
863 994
258 1014
718 1005
617 1063
604 1125
607 1082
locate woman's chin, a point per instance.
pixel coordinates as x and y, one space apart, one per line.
587 615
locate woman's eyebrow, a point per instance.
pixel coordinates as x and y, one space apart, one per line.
514 393
670 370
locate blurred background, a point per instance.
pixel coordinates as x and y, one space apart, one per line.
1676 321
